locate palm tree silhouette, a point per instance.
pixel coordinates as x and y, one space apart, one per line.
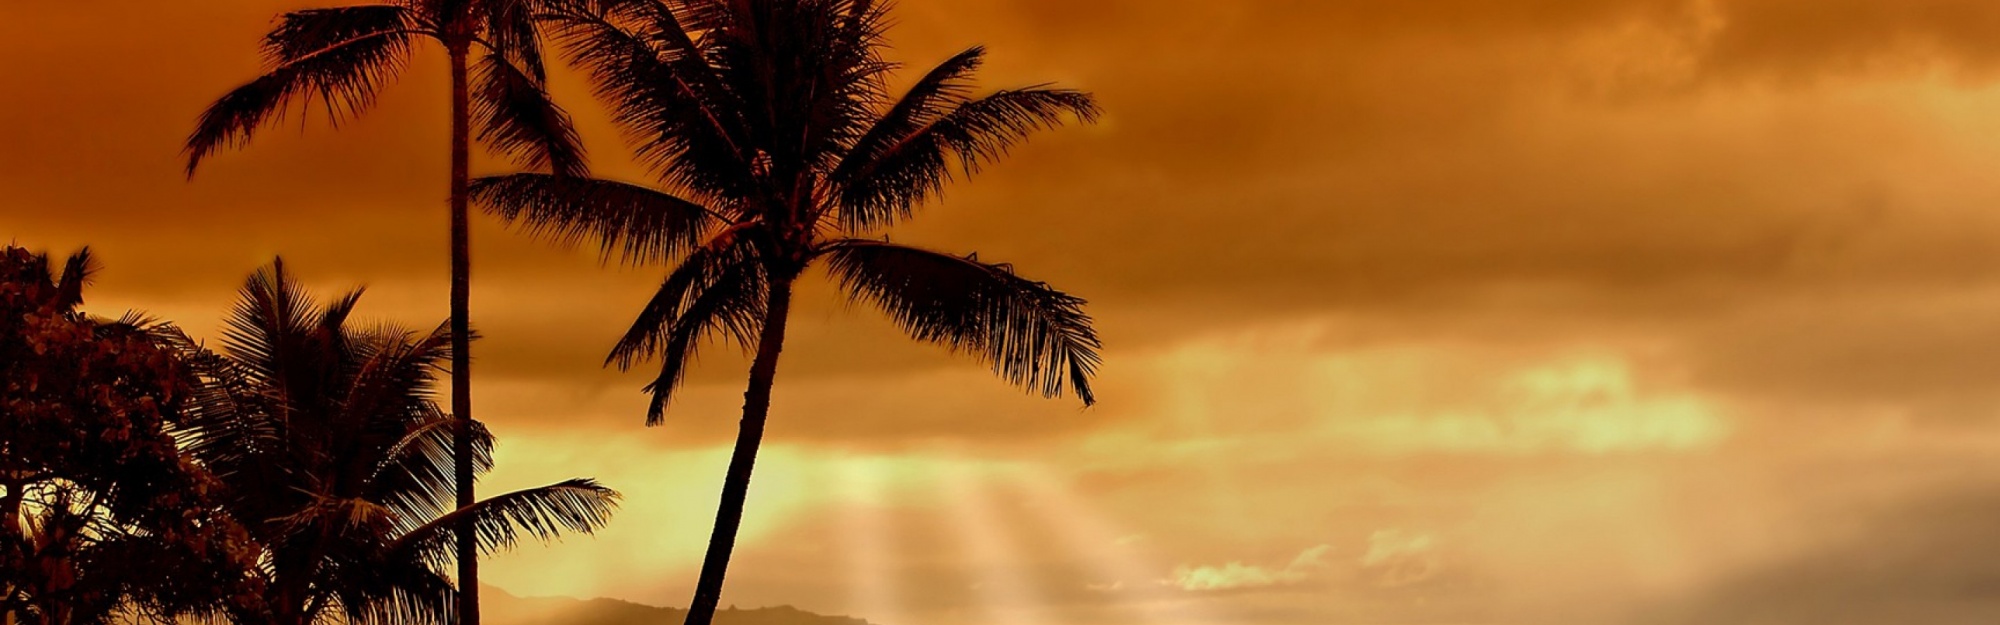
339 464
770 122
339 57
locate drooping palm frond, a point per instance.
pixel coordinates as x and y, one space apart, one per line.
304 33
889 182
414 476
337 57
380 591
515 115
389 375
512 32
546 513
641 224
718 289
1032 335
699 271
225 424
330 516
394 423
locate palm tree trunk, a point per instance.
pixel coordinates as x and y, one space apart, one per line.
461 334
736 485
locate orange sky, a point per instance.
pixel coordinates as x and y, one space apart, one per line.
1453 311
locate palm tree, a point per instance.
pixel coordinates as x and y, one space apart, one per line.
340 56
779 146
337 461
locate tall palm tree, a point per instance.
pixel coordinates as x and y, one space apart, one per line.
339 57
338 463
779 147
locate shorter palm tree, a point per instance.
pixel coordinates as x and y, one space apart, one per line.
338 462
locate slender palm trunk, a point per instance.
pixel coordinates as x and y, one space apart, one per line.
461 334
736 485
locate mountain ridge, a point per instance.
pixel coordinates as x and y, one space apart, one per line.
505 608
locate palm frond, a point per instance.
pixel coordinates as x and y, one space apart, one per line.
815 73
889 184
938 92
270 319
380 591
1033 335
650 71
720 288
77 273
516 116
546 513
328 516
414 476
226 423
305 33
640 224
390 421
512 30
336 57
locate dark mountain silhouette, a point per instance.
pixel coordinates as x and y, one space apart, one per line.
503 608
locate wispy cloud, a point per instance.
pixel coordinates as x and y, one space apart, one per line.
1237 575
1398 557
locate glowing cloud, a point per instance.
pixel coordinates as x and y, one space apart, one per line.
1238 576
1399 557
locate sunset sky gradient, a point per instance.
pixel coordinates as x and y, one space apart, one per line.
1537 312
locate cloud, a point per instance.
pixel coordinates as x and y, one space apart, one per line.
1536 241
1398 557
1240 576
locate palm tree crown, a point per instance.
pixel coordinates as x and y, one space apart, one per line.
780 147
339 59
338 462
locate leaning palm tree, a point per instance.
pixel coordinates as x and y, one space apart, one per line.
339 57
779 148
337 461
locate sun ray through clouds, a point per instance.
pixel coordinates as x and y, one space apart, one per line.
1000 582
868 541
1116 560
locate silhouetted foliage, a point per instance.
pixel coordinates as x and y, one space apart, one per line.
339 57
337 460
100 512
337 60
771 127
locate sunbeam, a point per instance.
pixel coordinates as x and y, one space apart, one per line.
867 541
1117 560
1005 594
